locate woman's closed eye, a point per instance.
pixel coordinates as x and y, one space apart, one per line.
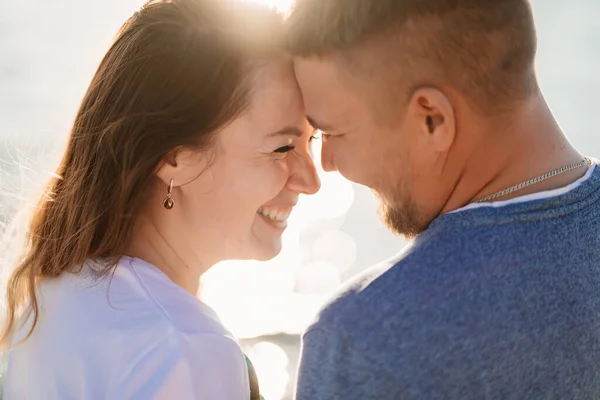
285 149
281 151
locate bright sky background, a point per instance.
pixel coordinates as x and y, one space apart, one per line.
283 5
49 51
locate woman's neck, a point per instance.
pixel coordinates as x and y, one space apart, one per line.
181 265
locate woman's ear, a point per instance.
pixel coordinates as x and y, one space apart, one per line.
167 168
182 165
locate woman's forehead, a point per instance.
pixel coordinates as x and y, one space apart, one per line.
276 100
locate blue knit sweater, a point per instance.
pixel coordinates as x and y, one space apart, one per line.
488 303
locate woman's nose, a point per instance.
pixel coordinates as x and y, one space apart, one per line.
303 175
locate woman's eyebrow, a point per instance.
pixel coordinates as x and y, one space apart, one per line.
290 130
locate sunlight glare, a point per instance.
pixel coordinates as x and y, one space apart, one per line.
281 5
271 363
335 247
318 277
334 200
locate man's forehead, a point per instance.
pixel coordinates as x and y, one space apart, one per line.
333 79
315 72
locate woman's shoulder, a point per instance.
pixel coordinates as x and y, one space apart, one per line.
136 295
167 302
186 366
168 336
134 304
218 352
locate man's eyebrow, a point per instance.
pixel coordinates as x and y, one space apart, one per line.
290 130
317 125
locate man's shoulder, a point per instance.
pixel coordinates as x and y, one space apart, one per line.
360 298
389 296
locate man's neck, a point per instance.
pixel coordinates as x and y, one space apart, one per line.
525 145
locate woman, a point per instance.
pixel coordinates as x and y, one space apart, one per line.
190 147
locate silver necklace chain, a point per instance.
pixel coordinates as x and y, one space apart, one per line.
535 180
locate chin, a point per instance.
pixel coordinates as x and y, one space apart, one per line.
260 251
401 220
267 252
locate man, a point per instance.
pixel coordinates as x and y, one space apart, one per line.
434 105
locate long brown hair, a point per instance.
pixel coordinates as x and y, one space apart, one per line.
176 73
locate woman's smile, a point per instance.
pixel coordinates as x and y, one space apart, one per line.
275 216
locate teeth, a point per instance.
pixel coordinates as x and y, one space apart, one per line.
274 214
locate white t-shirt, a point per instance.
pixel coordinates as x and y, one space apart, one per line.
135 336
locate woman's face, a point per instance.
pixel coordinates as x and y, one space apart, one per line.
236 207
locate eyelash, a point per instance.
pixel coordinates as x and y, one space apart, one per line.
321 135
288 148
285 149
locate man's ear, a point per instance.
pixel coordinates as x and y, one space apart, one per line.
435 115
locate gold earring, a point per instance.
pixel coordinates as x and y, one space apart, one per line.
168 202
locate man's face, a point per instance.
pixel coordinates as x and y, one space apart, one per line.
368 141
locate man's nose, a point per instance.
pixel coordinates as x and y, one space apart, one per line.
327 160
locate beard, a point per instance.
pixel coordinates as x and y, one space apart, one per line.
401 217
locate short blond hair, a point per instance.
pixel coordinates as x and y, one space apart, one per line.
485 49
